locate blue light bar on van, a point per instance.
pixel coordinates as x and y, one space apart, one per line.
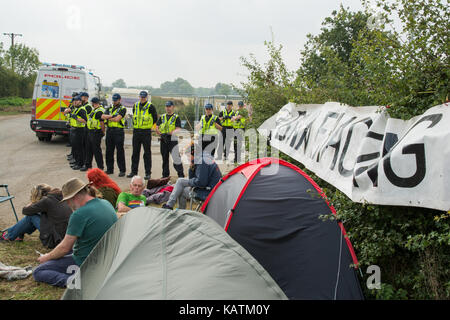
62 65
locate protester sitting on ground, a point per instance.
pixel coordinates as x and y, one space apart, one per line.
104 184
44 213
204 174
133 199
91 218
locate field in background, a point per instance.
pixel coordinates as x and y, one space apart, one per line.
14 105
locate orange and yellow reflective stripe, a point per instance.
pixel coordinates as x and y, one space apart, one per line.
47 109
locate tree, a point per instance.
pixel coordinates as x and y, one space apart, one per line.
22 60
178 86
119 83
18 67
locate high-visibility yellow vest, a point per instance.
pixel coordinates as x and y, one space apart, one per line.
209 127
118 124
67 115
227 122
73 122
142 118
167 126
239 124
94 124
92 109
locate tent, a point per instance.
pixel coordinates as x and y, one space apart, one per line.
272 209
154 253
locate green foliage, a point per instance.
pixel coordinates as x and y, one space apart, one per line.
178 86
119 83
407 69
18 66
14 101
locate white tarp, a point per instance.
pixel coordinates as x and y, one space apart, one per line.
368 155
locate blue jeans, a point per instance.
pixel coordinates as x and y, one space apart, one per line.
54 272
28 224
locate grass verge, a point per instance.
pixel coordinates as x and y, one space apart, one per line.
23 254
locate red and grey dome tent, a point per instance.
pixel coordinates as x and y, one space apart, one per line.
272 209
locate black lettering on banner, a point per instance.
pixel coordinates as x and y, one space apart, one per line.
322 130
418 150
389 142
280 136
343 171
305 137
337 145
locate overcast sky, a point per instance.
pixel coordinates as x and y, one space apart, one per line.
149 42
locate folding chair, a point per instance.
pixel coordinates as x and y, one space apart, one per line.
195 199
7 197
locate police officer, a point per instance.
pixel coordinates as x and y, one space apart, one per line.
209 127
115 135
167 126
96 131
144 116
227 129
239 123
88 108
78 120
70 108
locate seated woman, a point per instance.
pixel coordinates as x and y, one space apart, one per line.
104 184
46 213
204 174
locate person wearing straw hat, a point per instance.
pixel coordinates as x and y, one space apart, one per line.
91 219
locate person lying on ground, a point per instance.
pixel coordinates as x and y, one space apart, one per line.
45 213
104 184
204 174
91 219
133 199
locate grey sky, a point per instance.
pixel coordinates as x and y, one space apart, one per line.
149 42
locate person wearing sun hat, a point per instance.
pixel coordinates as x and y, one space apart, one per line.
91 219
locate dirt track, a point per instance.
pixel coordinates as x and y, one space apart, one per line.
25 162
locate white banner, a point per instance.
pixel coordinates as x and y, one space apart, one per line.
367 155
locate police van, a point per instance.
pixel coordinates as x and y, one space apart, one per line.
53 89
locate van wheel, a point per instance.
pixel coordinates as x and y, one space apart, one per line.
48 138
41 138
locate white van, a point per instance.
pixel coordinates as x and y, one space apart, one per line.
53 89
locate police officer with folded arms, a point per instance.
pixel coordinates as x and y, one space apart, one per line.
167 126
66 113
144 116
209 127
96 131
115 135
227 129
78 120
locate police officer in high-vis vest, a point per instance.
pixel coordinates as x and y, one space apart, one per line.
88 108
78 120
96 131
239 124
144 116
227 129
209 127
115 135
167 126
67 111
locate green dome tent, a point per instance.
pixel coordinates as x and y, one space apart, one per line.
153 253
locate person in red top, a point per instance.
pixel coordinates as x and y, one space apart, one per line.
104 184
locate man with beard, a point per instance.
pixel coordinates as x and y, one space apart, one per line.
91 219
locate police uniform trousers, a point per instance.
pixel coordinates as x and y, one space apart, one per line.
94 148
115 138
142 137
226 142
239 135
78 146
167 146
71 133
210 142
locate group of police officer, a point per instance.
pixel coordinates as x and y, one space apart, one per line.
89 123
